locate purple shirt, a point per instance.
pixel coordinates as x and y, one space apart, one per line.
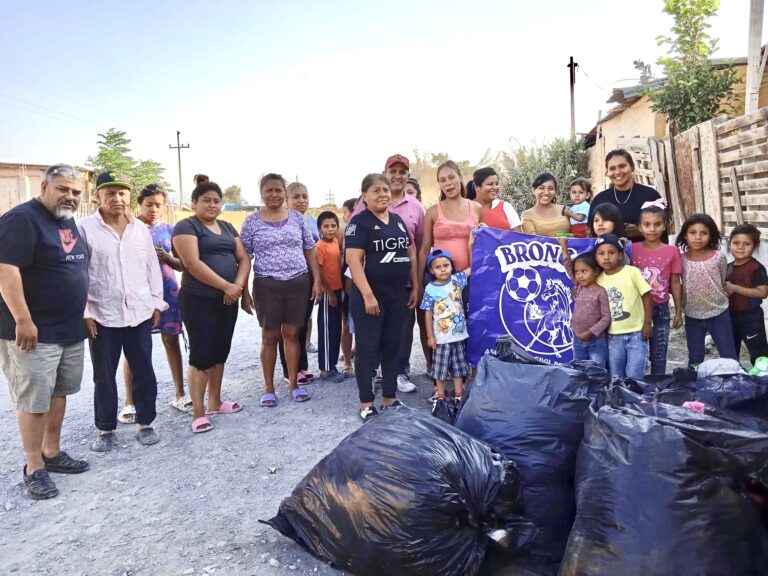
412 213
277 248
590 310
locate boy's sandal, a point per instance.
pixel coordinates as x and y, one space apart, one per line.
226 408
127 415
268 400
299 395
201 425
183 404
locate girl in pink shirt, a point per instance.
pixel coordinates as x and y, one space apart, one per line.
661 267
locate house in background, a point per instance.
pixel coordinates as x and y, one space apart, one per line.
21 182
631 122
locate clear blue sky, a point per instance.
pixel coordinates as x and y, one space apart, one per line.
324 90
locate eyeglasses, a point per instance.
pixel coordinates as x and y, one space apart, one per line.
63 171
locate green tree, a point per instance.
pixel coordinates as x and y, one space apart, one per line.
114 156
233 195
694 90
566 158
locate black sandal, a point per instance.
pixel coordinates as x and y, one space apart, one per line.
63 463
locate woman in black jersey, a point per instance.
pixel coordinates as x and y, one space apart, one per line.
626 194
382 259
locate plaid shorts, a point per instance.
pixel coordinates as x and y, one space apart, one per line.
450 361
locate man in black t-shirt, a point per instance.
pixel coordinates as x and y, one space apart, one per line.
43 290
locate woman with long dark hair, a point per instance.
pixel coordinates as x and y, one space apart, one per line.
626 194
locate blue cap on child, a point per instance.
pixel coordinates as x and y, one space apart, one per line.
611 239
440 253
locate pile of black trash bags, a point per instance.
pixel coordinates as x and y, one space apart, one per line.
550 470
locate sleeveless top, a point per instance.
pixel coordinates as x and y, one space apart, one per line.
496 217
454 236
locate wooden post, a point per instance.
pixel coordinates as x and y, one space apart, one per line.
658 174
753 55
710 171
698 185
736 199
674 193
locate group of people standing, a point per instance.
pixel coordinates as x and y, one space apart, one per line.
386 265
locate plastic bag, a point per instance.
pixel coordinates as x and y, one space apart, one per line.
445 409
663 490
533 414
406 494
718 367
731 395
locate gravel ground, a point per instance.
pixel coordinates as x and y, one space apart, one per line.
189 505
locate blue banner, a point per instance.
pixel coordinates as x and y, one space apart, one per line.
520 288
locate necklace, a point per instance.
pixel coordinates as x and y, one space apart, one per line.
615 197
282 221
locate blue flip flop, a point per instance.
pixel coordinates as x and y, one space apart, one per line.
268 400
299 395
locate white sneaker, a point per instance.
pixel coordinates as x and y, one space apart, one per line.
404 384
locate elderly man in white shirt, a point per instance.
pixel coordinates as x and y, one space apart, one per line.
125 299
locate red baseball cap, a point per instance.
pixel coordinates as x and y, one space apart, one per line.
397 159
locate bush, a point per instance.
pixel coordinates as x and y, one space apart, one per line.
566 158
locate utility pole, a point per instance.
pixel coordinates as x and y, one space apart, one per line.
754 65
178 148
573 65
330 199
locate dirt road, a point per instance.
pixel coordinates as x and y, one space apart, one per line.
191 504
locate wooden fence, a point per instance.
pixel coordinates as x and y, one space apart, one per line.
719 167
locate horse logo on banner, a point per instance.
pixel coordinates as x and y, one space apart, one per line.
520 288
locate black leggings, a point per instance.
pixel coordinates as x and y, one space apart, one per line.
378 339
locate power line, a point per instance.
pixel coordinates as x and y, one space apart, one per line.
590 79
47 108
59 118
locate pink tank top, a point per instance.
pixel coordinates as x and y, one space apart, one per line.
454 236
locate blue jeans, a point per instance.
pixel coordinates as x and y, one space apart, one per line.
627 355
720 329
136 343
595 349
660 339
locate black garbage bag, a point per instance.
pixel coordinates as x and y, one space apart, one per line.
663 490
407 494
599 377
728 396
739 392
445 409
533 415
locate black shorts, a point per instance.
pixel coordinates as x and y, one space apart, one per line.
281 302
210 325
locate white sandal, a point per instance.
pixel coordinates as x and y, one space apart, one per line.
127 415
183 404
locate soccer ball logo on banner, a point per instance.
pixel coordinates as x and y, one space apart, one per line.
523 284
535 303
